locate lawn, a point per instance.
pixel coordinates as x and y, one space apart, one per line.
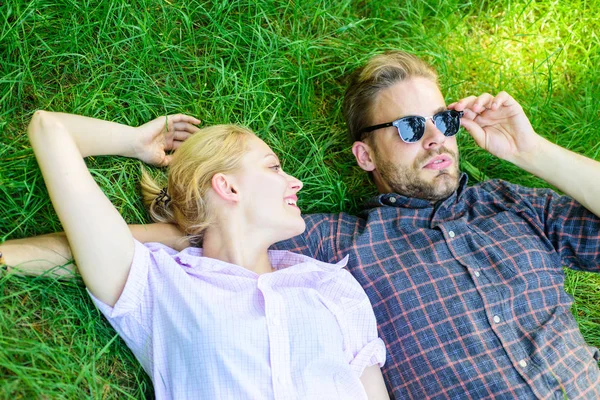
278 67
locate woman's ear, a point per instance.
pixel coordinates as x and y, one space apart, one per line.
223 186
362 152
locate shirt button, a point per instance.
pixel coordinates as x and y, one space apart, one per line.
451 234
496 319
392 199
275 321
477 274
522 363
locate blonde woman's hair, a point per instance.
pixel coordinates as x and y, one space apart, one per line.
212 150
379 73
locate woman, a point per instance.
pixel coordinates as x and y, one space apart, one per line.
230 320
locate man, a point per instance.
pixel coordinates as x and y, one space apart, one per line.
466 282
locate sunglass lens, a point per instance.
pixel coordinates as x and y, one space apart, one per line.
448 122
411 129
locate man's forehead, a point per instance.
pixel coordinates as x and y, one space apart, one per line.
415 96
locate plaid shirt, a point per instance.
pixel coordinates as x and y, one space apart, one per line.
469 293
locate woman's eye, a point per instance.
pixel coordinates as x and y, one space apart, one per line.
276 167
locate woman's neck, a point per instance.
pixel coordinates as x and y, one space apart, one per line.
236 246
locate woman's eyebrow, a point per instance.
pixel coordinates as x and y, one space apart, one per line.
272 155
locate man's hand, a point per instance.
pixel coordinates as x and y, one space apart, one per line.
161 135
499 125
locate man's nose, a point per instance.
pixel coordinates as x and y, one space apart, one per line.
433 137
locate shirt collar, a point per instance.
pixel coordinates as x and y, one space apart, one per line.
192 257
398 200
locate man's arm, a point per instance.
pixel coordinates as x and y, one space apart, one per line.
573 174
39 254
499 125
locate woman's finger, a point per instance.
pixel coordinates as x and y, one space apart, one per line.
179 122
181 136
184 118
185 127
166 160
176 144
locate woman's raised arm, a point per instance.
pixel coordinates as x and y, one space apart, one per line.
99 238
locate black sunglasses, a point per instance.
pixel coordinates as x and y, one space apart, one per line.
412 128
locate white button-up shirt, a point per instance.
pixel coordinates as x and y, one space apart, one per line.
204 328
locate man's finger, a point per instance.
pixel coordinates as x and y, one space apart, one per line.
469 114
462 104
504 99
483 102
475 131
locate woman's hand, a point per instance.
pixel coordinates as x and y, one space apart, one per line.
99 238
161 135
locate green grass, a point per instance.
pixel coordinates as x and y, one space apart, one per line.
278 67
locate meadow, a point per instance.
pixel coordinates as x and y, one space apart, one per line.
280 68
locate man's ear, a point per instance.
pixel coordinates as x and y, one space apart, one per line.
223 186
363 154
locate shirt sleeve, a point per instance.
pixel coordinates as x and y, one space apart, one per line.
362 345
135 286
131 315
573 230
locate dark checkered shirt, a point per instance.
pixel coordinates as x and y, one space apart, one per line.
469 293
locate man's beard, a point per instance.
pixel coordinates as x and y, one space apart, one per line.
407 182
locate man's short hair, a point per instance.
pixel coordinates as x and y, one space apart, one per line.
379 73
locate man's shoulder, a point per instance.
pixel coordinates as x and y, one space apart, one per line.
500 188
330 226
496 184
507 194
328 218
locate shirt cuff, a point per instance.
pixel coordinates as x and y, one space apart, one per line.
373 353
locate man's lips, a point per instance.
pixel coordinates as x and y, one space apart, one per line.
442 161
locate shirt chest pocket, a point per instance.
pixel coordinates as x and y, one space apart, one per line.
509 247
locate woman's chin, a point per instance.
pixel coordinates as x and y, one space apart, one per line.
291 230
